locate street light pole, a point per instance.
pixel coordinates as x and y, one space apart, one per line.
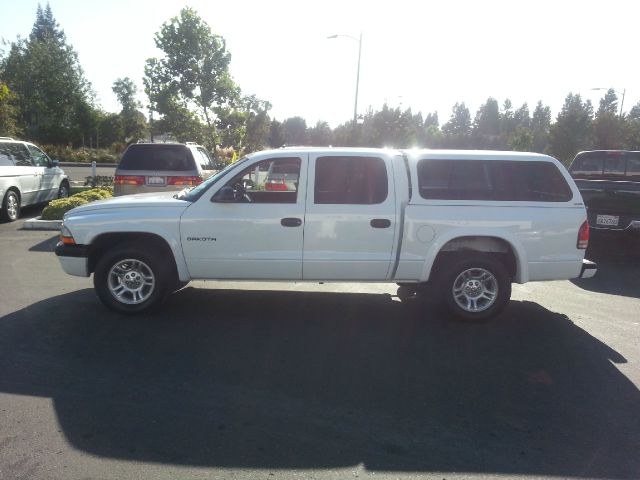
359 40
355 107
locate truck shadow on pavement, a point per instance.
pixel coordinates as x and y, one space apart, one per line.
282 380
618 259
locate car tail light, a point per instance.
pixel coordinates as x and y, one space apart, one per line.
191 180
583 236
128 180
275 185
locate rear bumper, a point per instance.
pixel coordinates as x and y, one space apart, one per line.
627 222
74 259
589 269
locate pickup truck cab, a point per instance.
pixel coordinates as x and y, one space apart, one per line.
462 224
609 181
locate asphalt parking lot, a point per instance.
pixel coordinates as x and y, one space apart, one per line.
232 380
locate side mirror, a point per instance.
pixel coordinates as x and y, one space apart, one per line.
226 194
54 163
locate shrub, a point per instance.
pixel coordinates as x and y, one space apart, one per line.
57 208
98 181
81 155
91 195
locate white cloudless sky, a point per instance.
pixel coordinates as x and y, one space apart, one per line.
422 54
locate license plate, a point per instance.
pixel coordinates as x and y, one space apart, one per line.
611 220
155 180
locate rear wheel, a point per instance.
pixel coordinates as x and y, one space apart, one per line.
130 280
64 191
11 206
475 287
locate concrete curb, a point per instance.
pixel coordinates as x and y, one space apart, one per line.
37 223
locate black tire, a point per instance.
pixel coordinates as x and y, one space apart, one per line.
10 206
105 280
65 190
466 274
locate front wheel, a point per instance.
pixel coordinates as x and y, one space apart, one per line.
129 280
475 287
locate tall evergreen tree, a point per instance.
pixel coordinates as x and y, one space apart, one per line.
572 131
486 126
540 125
54 98
608 127
632 120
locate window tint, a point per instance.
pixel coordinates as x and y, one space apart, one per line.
614 165
587 164
157 157
633 167
15 152
491 180
204 159
38 156
353 180
6 159
598 164
271 181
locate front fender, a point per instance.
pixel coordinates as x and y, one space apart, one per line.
163 222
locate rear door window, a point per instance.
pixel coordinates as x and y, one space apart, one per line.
350 180
177 158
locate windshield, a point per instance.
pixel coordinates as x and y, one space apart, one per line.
196 192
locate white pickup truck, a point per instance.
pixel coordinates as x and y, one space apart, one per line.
462 224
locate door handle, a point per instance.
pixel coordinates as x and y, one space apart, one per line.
291 222
380 223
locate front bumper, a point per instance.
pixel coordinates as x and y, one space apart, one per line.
588 269
74 259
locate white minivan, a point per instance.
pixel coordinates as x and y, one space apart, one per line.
27 176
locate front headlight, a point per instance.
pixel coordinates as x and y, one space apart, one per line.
65 236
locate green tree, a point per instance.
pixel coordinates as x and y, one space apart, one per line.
486 125
52 96
134 124
572 131
276 134
632 128
8 112
257 123
320 134
193 75
110 128
457 131
608 126
540 125
295 131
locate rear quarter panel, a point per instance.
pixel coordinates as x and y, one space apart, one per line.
542 238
